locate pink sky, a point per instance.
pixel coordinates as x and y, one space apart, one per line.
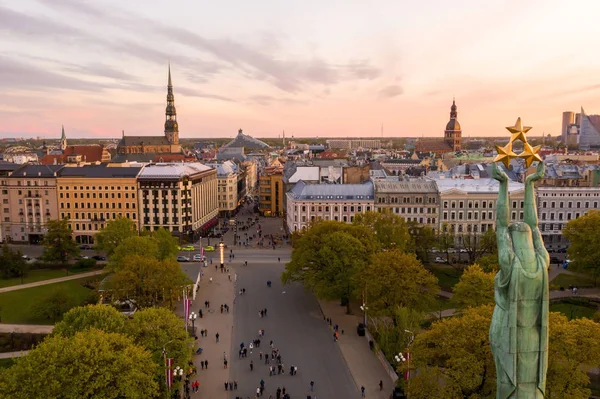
340 69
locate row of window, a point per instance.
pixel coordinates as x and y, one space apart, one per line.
560 215
28 194
594 194
96 216
100 195
475 215
414 210
469 228
93 188
569 204
406 200
335 208
94 205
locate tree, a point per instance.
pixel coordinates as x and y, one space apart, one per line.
456 354
90 364
144 246
446 239
396 279
158 328
115 232
167 244
391 332
54 305
390 230
58 242
478 245
147 280
583 234
489 263
422 240
81 318
328 257
12 263
475 288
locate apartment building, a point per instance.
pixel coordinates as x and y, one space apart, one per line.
180 197
29 200
469 205
227 187
558 205
309 202
91 195
271 191
416 200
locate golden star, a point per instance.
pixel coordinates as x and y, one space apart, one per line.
518 131
530 154
505 154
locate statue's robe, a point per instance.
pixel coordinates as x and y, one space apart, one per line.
519 330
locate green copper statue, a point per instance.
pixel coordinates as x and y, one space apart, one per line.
519 329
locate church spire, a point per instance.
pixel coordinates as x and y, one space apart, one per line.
453 113
171 126
63 139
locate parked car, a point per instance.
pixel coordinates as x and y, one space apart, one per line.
199 258
439 260
183 259
85 246
98 257
209 248
188 248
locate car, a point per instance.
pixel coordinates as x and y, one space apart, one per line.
209 248
434 250
439 260
451 250
85 246
188 248
462 251
199 258
98 257
183 259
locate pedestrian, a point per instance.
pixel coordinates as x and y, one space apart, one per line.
312 386
381 385
229 275
362 391
226 385
230 385
257 391
270 371
278 259
200 313
265 312
251 365
225 363
271 344
202 364
210 280
205 304
221 308
235 385
206 364
217 336
251 346
260 355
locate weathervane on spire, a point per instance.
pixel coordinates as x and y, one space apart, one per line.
529 154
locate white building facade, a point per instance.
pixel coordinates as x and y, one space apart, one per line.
341 202
558 205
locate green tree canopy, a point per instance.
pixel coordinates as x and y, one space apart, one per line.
81 318
475 288
422 240
445 239
489 263
477 245
394 279
390 230
328 257
167 244
58 242
115 232
53 306
583 234
12 263
90 364
454 357
147 280
145 246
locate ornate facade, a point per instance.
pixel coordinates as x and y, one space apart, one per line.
452 140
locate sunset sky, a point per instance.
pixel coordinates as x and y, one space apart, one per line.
309 67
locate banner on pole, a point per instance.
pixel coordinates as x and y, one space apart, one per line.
169 372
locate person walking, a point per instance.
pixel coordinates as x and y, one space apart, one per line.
251 365
206 364
381 385
312 386
362 391
217 337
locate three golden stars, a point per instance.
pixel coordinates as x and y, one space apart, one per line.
529 154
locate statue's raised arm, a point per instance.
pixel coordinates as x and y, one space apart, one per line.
530 212
505 250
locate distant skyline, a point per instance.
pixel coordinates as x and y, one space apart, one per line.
311 68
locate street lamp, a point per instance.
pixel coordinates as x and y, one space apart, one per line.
222 255
412 338
178 372
193 317
364 308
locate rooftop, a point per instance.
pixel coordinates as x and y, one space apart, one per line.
37 170
100 171
484 185
411 186
172 170
243 140
332 192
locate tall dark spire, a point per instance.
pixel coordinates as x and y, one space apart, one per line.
171 126
453 113
63 139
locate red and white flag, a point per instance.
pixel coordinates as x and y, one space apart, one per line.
169 372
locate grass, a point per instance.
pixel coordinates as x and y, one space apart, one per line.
566 280
17 306
39 275
6 363
575 308
447 276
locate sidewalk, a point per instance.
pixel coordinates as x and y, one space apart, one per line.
220 291
26 328
11 355
51 281
365 367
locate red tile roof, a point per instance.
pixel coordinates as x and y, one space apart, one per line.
89 153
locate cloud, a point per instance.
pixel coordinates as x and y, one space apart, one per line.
391 91
102 70
17 23
195 93
17 75
265 100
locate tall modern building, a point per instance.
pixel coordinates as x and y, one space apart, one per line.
568 119
589 131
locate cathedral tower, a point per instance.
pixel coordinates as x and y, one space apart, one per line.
63 139
453 133
171 126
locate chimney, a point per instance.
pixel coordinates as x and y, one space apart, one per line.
24 173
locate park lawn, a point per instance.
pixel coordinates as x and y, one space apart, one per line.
577 308
38 275
566 280
447 276
17 306
6 363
